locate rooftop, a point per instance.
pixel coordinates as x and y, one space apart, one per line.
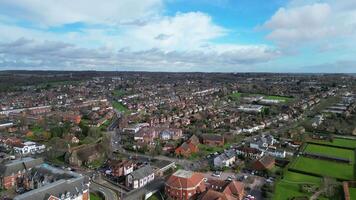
183 173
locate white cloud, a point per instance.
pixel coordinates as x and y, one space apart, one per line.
59 12
124 34
312 23
182 31
31 54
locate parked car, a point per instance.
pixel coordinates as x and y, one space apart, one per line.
217 174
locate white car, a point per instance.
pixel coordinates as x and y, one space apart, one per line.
217 174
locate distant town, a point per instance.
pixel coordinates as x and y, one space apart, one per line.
178 136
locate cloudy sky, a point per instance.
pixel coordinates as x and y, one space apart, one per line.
179 35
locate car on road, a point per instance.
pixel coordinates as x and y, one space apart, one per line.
229 178
217 174
250 197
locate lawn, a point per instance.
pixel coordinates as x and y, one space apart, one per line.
95 197
237 95
207 149
278 98
288 187
119 93
120 107
330 151
339 142
105 125
323 168
352 193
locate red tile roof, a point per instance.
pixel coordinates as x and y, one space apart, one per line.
185 179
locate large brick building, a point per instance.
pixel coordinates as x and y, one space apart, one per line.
184 185
43 181
9 172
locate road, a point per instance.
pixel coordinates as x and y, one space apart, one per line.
108 194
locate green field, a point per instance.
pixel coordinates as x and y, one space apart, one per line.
323 168
330 151
288 187
352 193
278 98
95 197
120 107
119 93
237 95
339 142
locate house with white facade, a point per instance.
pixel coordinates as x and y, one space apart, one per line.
140 177
29 148
225 159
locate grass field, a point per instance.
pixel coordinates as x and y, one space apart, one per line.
278 98
120 107
323 168
237 95
119 93
352 193
339 142
330 151
288 187
95 197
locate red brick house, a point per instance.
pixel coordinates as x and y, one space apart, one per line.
264 163
9 172
221 189
213 139
185 185
186 149
121 167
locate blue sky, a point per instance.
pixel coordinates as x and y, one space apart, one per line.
179 35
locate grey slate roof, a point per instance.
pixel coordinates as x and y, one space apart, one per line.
142 172
6 169
74 186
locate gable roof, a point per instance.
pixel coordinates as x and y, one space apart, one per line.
142 172
183 179
14 166
213 137
74 186
215 195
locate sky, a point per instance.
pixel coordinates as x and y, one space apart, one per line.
312 36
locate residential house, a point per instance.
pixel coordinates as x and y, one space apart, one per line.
121 167
29 148
140 177
186 149
213 139
225 159
224 190
264 163
249 152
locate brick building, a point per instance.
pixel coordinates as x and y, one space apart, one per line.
184 185
9 172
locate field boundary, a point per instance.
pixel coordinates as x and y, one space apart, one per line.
330 145
314 174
